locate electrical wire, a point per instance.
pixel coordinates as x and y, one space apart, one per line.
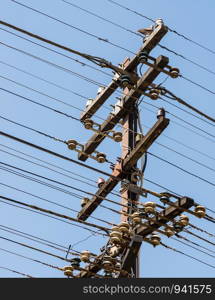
84 181
100 84
84 97
46 200
61 190
192 257
72 27
187 112
35 249
55 213
171 30
199 237
48 216
182 169
187 59
139 35
194 243
194 248
41 93
44 80
51 64
40 104
44 166
202 230
50 164
180 125
34 130
76 162
181 101
65 48
198 84
16 272
38 240
83 64
31 259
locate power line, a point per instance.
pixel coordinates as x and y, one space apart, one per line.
194 243
181 101
37 239
182 169
33 248
78 121
150 153
197 84
74 118
202 230
83 64
59 189
187 59
31 259
171 30
62 190
72 27
45 80
139 35
41 93
193 247
54 213
84 97
40 104
76 162
51 63
16 272
100 84
43 166
55 154
199 237
48 216
187 112
192 257
180 125
100 17
104 62
34 130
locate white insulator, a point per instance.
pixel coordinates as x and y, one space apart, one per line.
159 22
68 271
174 72
169 231
107 263
100 182
89 102
101 157
85 256
200 211
88 123
117 136
72 144
155 239
136 218
149 207
100 89
184 220
118 266
154 94
124 227
84 201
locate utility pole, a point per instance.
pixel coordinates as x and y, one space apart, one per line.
125 169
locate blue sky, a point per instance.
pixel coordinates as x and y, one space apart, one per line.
191 18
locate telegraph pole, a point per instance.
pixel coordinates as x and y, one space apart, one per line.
125 169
